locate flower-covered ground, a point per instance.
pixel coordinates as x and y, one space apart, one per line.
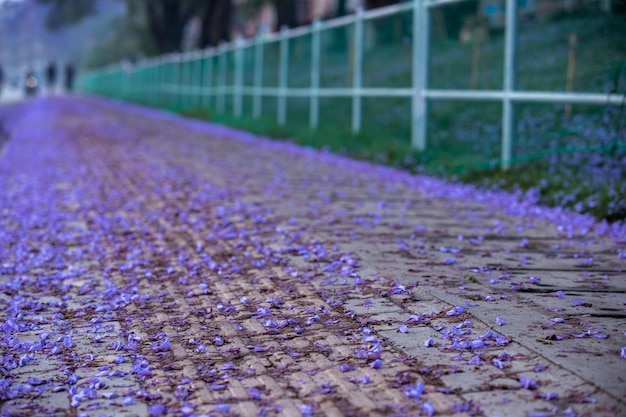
152 265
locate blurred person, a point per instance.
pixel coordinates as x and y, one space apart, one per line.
31 84
70 72
51 75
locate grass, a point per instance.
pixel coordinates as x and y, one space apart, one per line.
577 162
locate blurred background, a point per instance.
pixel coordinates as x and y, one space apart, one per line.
571 156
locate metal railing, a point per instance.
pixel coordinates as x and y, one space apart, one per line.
159 78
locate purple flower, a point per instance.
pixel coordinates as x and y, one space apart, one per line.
259 348
477 344
475 360
228 366
162 347
623 353
428 409
344 367
560 294
365 380
128 401
270 323
528 383
376 364
550 396
500 321
456 311
577 302
306 410
413 391
67 341
157 410
254 393
497 363
403 328
449 261
430 342
223 408
216 386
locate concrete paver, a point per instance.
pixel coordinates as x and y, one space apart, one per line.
158 266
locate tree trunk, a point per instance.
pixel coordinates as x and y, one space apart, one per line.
285 13
216 22
372 4
166 22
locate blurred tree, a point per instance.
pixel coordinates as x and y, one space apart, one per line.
165 20
217 20
372 4
67 12
285 13
341 8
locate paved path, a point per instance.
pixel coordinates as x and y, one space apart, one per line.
152 265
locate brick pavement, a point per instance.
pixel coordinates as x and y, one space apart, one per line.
153 265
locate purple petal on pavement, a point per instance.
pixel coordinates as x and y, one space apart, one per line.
344 367
550 396
306 410
528 383
413 391
500 321
376 364
428 409
254 393
497 363
455 311
216 386
403 328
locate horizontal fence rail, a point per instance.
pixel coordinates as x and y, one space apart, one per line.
210 75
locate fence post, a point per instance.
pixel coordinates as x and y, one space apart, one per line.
171 73
125 68
158 81
221 78
315 75
180 75
207 77
238 81
259 46
198 75
283 75
508 110
357 71
419 125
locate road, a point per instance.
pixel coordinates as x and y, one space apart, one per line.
153 265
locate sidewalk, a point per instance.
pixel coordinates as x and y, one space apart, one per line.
153 265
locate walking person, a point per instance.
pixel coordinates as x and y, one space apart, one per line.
70 72
51 76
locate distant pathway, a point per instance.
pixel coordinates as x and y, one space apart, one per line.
152 265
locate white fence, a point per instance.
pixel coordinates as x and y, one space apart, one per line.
154 76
